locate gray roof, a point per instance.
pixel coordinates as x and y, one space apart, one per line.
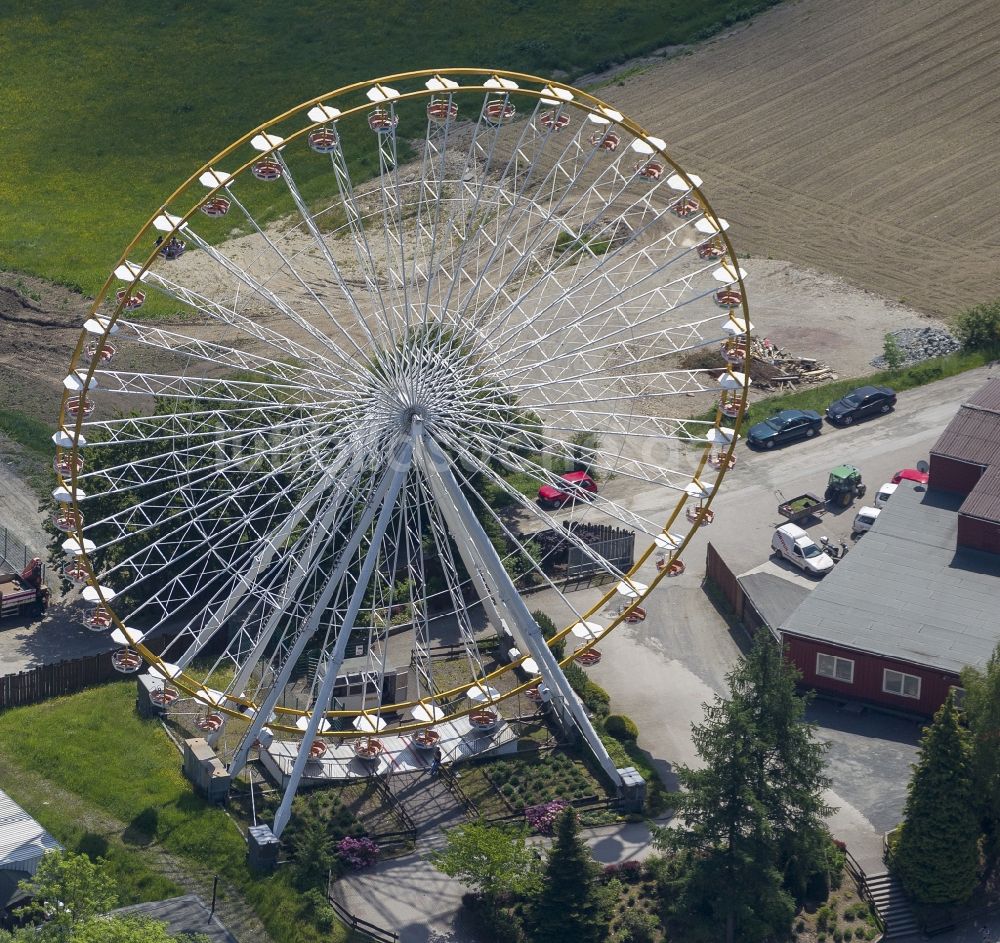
774 597
973 435
907 591
22 840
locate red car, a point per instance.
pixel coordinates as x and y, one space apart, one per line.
911 474
578 485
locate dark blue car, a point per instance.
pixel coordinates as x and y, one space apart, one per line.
861 403
786 426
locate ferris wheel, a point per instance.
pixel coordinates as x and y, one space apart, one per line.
374 375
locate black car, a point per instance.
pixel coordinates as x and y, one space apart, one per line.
861 403
786 426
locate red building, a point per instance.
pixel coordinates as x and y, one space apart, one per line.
918 599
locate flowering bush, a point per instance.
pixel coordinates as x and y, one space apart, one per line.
609 872
357 852
542 818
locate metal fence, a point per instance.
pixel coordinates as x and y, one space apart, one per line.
14 555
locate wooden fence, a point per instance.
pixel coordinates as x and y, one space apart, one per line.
64 677
719 573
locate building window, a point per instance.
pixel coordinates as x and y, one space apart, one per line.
840 669
895 682
959 696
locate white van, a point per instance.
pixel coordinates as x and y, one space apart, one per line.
884 493
795 545
865 520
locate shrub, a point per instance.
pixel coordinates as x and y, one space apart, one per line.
594 697
631 871
978 328
825 917
608 872
357 852
639 927
837 936
621 727
542 818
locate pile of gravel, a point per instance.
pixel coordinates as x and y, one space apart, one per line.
920 343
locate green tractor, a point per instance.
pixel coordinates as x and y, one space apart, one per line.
844 485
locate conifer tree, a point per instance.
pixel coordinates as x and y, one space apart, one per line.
753 813
569 906
937 853
982 712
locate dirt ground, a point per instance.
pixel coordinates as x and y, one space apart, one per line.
856 138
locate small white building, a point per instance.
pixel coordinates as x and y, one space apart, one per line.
22 840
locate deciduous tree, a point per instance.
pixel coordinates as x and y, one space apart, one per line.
495 860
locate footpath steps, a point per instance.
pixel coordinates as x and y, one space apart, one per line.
429 803
892 905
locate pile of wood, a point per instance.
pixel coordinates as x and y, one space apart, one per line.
779 368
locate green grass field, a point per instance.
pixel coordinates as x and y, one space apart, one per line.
109 106
75 763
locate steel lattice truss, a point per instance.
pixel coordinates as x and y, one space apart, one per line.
280 469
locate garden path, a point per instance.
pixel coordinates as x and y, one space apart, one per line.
422 905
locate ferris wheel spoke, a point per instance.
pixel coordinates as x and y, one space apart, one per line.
210 352
323 247
327 357
208 389
515 217
288 266
169 507
610 461
259 290
616 261
309 548
245 505
536 224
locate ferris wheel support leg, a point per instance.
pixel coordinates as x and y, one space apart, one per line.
336 657
480 556
260 719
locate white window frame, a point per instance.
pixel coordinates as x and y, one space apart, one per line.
832 674
902 692
959 693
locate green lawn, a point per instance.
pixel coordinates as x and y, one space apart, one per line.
74 762
109 106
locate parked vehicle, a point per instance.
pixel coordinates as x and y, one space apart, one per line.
862 403
801 507
24 593
884 493
865 520
911 474
795 545
786 426
579 485
844 485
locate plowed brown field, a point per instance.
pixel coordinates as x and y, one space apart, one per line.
858 137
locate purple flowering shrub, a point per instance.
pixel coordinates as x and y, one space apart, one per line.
542 818
357 852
